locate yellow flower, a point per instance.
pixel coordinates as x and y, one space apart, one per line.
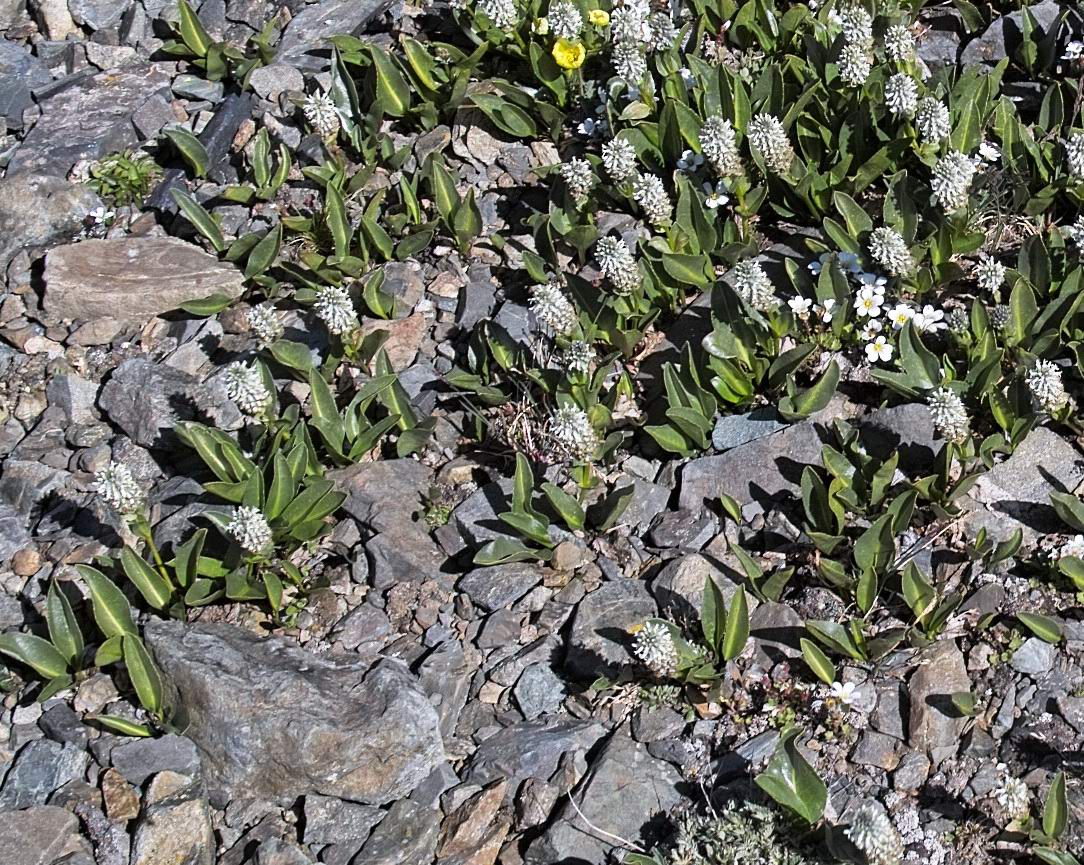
599 17
568 54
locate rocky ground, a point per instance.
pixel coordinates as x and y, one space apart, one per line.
407 703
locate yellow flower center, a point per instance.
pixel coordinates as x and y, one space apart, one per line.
569 54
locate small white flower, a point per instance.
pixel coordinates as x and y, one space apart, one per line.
335 309
767 135
1075 233
870 330
989 152
1073 547
872 832
579 356
719 143
990 273
899 315
690 162
875 281
651 195
552 308
245 386
1013 795
753 285
663 31
265 323
1074 155
844 692
579 179
571 430
889 250
856 22
320 111
654 646
619 159
1044 382
716 195
618 264
929 320
118 488
502 13
952 176
800 306
250 529
949 414
629 61
1073 51
868 302
932 120
565 20
825 310
855 63
899 43
879 349
901 94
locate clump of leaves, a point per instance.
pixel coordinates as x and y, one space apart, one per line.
124 179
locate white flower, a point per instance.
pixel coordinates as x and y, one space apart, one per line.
716 195
901 94
618 264
663 31
879 349
719 143
932 120
767 135
1013 795
952 176
899 315
1075 232
929 320
856 22
265 323
870 330
825 310
871 280
565 20
855 62
592 127
654 646
800 306
899 43
949 414
689 162
629 22
250 529
844 692
579 178
579 356
1044 382
335 309
501 12
552 308
873 833
118 488
868 302
753 285
1074 155
619 159
571 429
1073 50
320 111
245 386
989 152
629 62
651 195
990 273
889 250
1073 547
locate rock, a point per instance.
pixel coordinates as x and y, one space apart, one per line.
40 836
474 521
403 555
41 767
648 501
139 760
176 828
98 14
87 121
54 18
1034 658
37 209
532 749
73 395
935 724
13 532
445 677
756 471
683 529
198 88
626 790
538 691
314 25
912 771
135 278
877 749
1005 30
939 45
679 587
600 640
407 834
903 429
121 799
20 73
337 727
734 430
404 337
1017 491
271 81
778 630
386 494
474 828
274 851
499 586
333 821
147 400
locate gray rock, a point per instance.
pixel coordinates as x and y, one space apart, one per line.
60 723
337 727
20 73
935 725
175 829
406 554
625 790
275 851
500 586
87 121
98 14
53 18
385 494
407 834
135 278
474 521
734 430
40 836
37 209
756 471
648 501
41 767
654 725
877 749
333 821
912 771
140 759
445 677
532 749
73 395
599 642
940 44
13 532
679 587
777 630
147 401
903 429
271 81
539 691
198 88
1072 710
314 25
1034 658
993 45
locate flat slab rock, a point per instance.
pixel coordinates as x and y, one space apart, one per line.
275 722
132 278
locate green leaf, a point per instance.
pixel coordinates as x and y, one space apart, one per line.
565 505
817 661
1055 808
1043 627
207 306
466 221
192 31
1055 857
186 558
111 610
295 355
64 631
109 652
522 486
1070 509
737 626
154 588
792 782
857 220
504 550
605 514
337 222
713 617
38 654
144 674
813 399
191 149
264 253
124 726
202 220
392 89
